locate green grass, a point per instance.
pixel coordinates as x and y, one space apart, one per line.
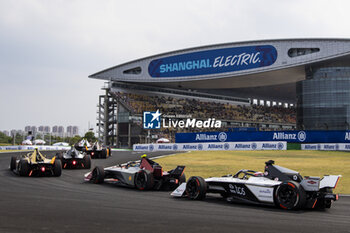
4 151
293 146
12 150
5 144
308 163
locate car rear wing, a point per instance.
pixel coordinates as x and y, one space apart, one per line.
329 181
178 171
316 183
310 183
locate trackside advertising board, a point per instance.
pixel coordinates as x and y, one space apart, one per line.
34 147
327 146
288 136
211 146
213 61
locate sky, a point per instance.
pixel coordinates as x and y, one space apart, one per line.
48 48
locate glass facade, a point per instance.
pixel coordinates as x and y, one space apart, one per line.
323 99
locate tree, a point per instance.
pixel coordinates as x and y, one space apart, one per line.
4 138
90 136
74 139
55 139
19 139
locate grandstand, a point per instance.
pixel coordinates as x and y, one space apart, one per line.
234 112
202 109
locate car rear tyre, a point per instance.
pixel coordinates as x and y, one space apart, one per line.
57 169
144 180
98 175
23 168
104 154
322 203
196 188
13 163
59 156
327 204
87 161
290 195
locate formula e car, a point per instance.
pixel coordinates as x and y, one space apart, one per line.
96 151
143 175
35 164
277 186
83 145
74 159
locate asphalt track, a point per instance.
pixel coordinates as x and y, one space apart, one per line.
68 204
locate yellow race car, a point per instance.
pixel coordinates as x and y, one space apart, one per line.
35 164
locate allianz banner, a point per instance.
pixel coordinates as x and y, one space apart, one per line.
33 147
211 146
288 136
327 147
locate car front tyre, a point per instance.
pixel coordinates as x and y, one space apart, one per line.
98 175
13 163
196 188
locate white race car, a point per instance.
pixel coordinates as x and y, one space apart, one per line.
278 186
143 175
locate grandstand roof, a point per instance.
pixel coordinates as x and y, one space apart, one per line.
261 68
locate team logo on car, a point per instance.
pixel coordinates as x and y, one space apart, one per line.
151 120
236 189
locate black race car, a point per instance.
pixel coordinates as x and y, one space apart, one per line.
96 151
83 145
74 159
35 164
143 175
278 186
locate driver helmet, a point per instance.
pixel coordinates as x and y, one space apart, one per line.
258 174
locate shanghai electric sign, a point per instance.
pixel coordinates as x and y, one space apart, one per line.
213 61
